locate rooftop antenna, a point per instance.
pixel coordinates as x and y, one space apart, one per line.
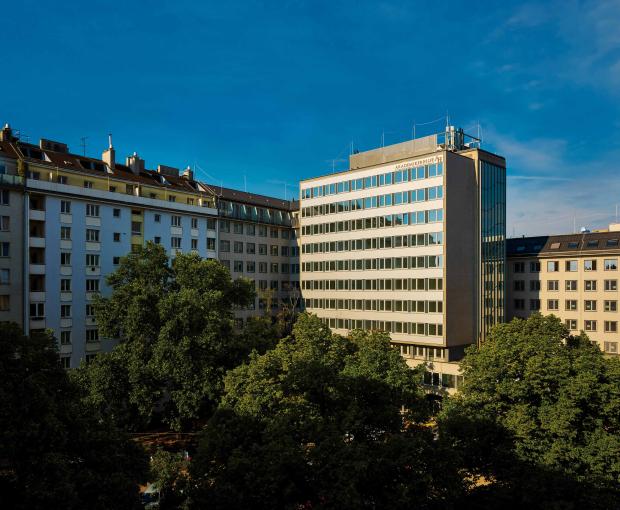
383 138
616 213
245 184
83 144
413 130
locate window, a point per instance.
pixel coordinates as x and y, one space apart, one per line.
88 184
194 245
534 285
553 285
274 233
611 326
611 347
262 249
5 276
571 285
92 235
571 265
592 244
611 243
92 210
534 304
158 218
250 248
553 266
589 285
4 197
611 264
571 324
262 267
589 325
65 207
62 179
37 310
274 250
65 259
238 228
238 247
5 223
116 261
589 305
117 237
175 221
238 266
92 285
553 304
65 285
570 304
589 265
92 260
211 243
65 311
262 231
250 266
194 222
175 242
274 267
136 228
611 305
611 285
534 267
65 338
92 335
172 198
65 233
5 303
116 213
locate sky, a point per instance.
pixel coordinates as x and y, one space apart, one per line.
257 95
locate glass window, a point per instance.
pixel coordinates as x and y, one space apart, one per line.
611 264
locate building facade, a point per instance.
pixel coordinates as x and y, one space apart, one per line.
410 240
574 277
68 219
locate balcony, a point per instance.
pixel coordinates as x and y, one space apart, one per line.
38 296
11 180
66 322
37 214
36 268
37 323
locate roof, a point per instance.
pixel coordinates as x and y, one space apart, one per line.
97 167
563 245
234 195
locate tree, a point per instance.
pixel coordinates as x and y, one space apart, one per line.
174 322
539 417
322 421
169 474
54 452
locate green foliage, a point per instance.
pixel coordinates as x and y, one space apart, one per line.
539 415
55 453
174 322
169 472
317 422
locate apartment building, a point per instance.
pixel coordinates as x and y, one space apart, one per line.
574 277
70 218
409 240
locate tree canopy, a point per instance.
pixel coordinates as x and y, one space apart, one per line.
54 451
174 323
322 421
539 416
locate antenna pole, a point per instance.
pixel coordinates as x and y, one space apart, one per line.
84 138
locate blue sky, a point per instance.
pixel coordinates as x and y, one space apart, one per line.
276 91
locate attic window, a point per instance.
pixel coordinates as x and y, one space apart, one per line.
573 244
537 247
592 244
92 165
612 242
520 248
555 246
32 153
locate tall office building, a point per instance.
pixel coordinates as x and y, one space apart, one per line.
410 240
574 277
67 219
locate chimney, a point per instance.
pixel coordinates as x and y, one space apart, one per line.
6 134
109 155
135 163
188 173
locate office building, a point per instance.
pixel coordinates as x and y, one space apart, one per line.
67 219
409 240
574 277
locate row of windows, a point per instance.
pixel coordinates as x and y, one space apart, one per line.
263 267
373 222
253 213
553 266
394 284
91 335
251 229
590 325
250 248
379 305
369 243
373 202
421 351
424 261
386 179
569 285
409 328
589 305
